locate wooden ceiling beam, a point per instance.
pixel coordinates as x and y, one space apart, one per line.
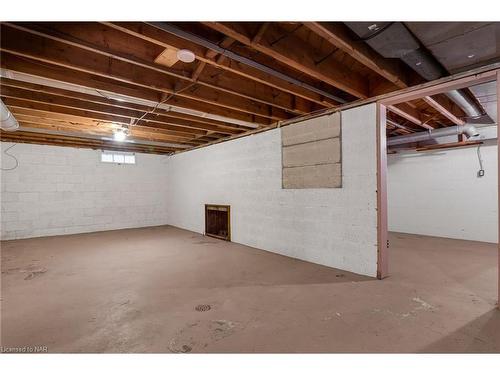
298 55
68 56
17 105
31 96
89 36
55 120
82 124
199 68
226 43
31 91
178 118
439 106
338 37
70 141
101 83
260 33
135 134
409 114
160 37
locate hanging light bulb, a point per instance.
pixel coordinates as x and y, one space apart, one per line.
120 135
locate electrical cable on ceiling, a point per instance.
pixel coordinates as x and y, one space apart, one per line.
174 92
12 156
480 173
104 96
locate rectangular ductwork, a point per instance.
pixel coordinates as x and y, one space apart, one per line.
394 40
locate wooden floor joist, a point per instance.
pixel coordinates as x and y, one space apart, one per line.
246 77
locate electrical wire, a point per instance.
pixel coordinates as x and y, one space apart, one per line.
6 152
174 92
480 159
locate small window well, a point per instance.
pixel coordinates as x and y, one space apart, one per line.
117 157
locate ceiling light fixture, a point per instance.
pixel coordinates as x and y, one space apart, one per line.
185 55
120 135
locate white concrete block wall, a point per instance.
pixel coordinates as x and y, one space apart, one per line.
439 194
334 227
62 190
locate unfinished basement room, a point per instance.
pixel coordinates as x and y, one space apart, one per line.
249 187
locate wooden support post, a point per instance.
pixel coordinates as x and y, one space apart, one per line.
382 234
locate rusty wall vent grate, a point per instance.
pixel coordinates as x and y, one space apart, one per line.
203 308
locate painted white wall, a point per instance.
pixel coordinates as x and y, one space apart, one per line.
334 227
62 190
439 194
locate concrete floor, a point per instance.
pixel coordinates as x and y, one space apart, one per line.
136 291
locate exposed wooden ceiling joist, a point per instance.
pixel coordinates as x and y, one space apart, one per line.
101 39
299 56
389 69
157 36
92 78
85 142
24 44
178 121
103 83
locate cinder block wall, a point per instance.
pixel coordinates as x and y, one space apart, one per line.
439 194
336 227
62 190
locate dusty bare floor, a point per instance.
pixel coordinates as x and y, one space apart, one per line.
136 291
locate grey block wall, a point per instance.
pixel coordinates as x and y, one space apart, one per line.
312 153
333 227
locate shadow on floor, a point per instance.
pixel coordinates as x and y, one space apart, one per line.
474 337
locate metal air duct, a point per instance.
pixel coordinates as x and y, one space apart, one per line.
467 129
7 120
394 40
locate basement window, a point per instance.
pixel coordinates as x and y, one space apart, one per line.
117 157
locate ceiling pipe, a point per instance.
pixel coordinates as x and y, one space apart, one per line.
7 120
174 30
466 103
394 40
467 129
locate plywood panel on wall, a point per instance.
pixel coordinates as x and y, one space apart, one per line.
312 153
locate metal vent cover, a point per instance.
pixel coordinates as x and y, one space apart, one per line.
203 308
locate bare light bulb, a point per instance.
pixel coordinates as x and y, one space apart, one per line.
119 135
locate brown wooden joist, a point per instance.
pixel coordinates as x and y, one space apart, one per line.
299 56
49 51
154 35
107 41
80 142
337 35
160 118
212 99
103 83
